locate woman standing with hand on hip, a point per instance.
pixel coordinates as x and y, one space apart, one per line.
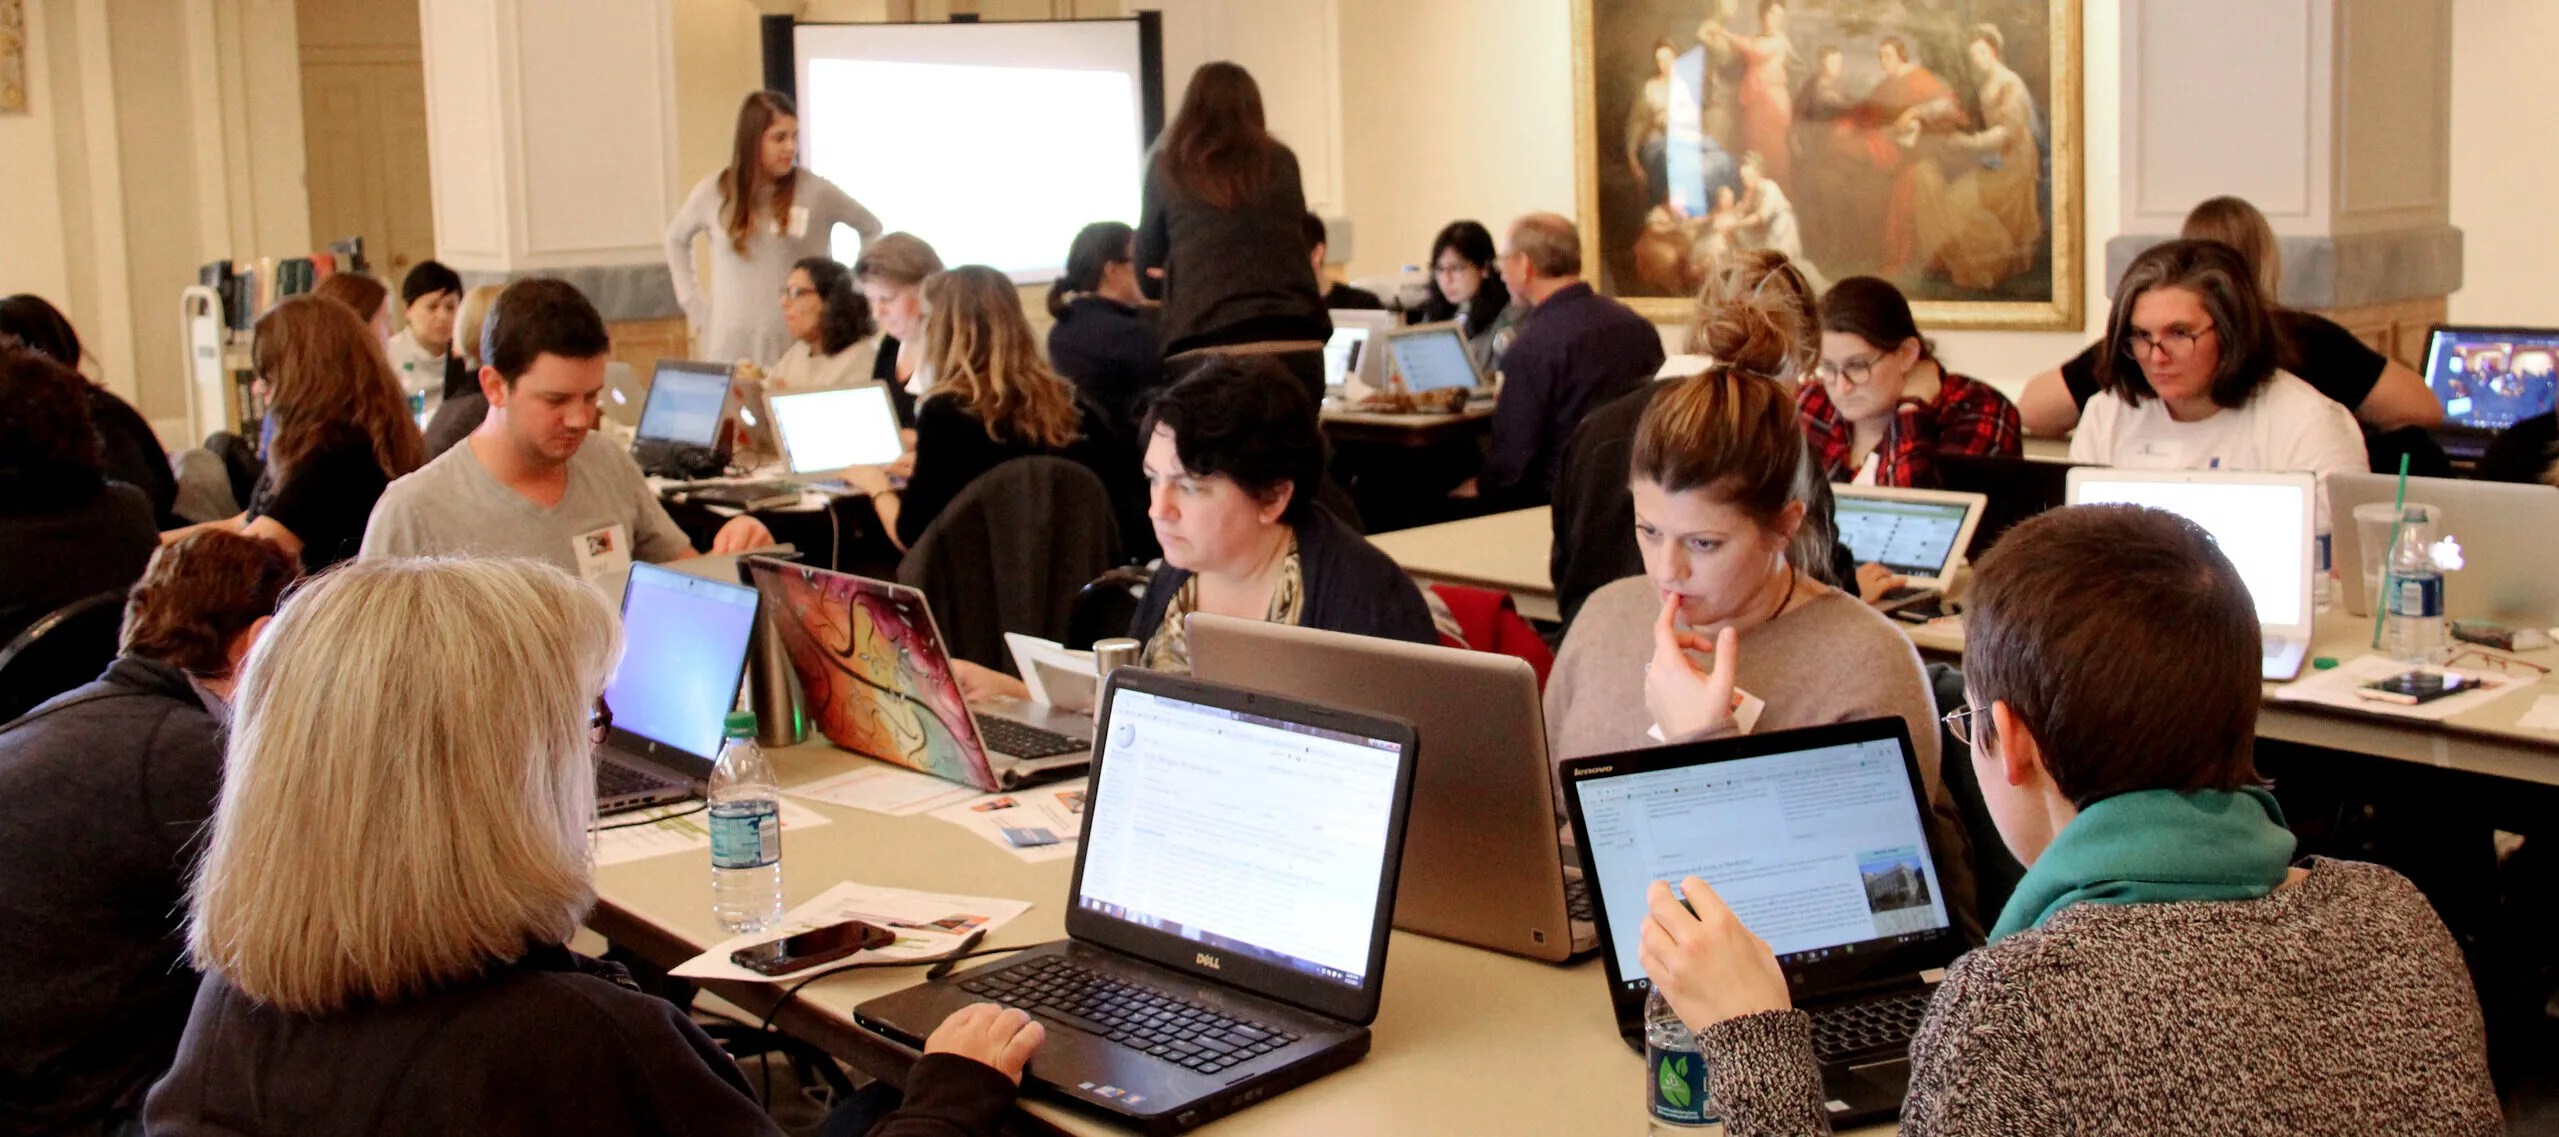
764 213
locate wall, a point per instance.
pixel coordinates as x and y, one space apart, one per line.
32 254
2503 163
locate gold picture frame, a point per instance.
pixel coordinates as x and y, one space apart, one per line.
1953 199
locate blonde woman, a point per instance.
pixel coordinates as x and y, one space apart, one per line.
993 400
397 857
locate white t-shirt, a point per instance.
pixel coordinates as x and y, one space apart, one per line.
2287 426
420 371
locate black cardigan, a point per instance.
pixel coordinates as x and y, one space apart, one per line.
952 449
1231 276
1351 586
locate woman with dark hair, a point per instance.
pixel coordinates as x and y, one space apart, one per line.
342 432
1883 408
127 446
1221 239
66 532
2189 378
764 214
834 341
1103 341
1466 284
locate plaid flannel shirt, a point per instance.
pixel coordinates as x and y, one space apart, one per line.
1968 417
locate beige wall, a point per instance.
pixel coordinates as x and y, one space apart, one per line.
33 257
2503 162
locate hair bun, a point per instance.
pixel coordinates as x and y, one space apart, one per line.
1755 314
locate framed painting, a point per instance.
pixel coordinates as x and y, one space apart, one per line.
1933 143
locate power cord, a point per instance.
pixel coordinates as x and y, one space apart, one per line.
940 964
699 806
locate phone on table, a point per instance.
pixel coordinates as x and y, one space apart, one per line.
2411 688
812 947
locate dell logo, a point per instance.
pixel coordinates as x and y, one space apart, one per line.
1206 960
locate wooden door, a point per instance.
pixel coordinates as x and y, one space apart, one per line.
364 130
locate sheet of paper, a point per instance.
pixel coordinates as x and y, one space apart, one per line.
2336 687
881 788
2544 714
1056 676
678 828
926 923
1058 808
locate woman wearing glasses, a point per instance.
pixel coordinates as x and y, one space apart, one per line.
833 337
1884 408
2188 380
1466 284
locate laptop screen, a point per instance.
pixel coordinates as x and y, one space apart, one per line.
1913 538
684 651
684 406
1433 360
1341 354
829 430
1819 851
1252 836
2262 526
2492 378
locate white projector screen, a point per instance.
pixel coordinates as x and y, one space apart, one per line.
994 142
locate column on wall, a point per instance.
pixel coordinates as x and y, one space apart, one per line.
2333 117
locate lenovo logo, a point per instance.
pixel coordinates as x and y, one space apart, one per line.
1591 770
1208 961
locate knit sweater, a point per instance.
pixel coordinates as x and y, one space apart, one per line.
2337 1004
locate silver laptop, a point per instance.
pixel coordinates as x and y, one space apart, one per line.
1357 349
2264 523
626 392
1919 535
685 654
1481 862
1433 357
2507 533
820 432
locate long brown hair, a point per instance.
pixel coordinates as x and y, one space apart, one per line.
745 177
362 294
1218 149
325 368
979 345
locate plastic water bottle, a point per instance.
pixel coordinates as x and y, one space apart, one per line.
2413 631
746 832
1675 1076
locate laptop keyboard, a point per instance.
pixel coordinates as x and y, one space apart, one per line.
1858 1028
613 779
1139 1017
1022 740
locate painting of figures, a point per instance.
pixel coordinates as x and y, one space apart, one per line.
1934 143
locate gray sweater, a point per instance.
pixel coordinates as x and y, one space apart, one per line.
2339 1004
741 317
1829 660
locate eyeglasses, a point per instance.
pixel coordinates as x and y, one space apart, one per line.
599 722
1961 721
2501 663
2172 345
1451 268
1855 371
794 292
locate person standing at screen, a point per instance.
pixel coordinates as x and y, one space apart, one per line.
1220 236
764 213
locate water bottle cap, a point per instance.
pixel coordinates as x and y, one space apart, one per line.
740 724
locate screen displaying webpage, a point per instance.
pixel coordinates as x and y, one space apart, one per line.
829 430
1433 361
1817 851
2263 529
1913 538
1251 835
684 648
684 406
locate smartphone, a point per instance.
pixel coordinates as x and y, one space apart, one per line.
812 947
2410 688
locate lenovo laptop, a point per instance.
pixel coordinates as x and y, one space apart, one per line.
2264 523
1227 924
2507 533
1481 862
2489 379
684 654
1817 840
878 683
1920 535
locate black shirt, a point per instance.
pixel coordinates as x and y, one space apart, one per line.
1231 276
326 498
455 418
1576 350
103 798
1352 587
57 547
1358 299
1111 352
133 454
952 448
2319 350
2523 452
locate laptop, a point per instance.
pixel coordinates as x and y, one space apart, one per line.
679 435
1356 349
2489 379
2264 522
2015 489
1481 861
878 683
1815 838
1433 357
822 432
2505 533
1920 535
1227 924
684 654
626 391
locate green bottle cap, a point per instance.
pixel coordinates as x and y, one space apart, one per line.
739 724
2323 663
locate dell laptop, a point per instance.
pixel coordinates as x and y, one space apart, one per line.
878 683
2489 379
1818 840
684 653
2264 523
1227 924
1481 862
1920 535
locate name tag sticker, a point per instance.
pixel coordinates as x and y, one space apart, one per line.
799 223
602 552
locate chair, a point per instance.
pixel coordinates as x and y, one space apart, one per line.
1010 554
1492 624
63 649
1104 607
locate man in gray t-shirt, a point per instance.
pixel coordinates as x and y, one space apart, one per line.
533 480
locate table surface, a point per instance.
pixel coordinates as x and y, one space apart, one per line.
1467 1041
1504 551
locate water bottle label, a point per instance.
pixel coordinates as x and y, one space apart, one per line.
1678 1091
2418 596
745 834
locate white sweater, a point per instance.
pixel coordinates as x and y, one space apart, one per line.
2287 426
741 317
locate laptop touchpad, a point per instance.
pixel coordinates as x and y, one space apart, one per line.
1885 1081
